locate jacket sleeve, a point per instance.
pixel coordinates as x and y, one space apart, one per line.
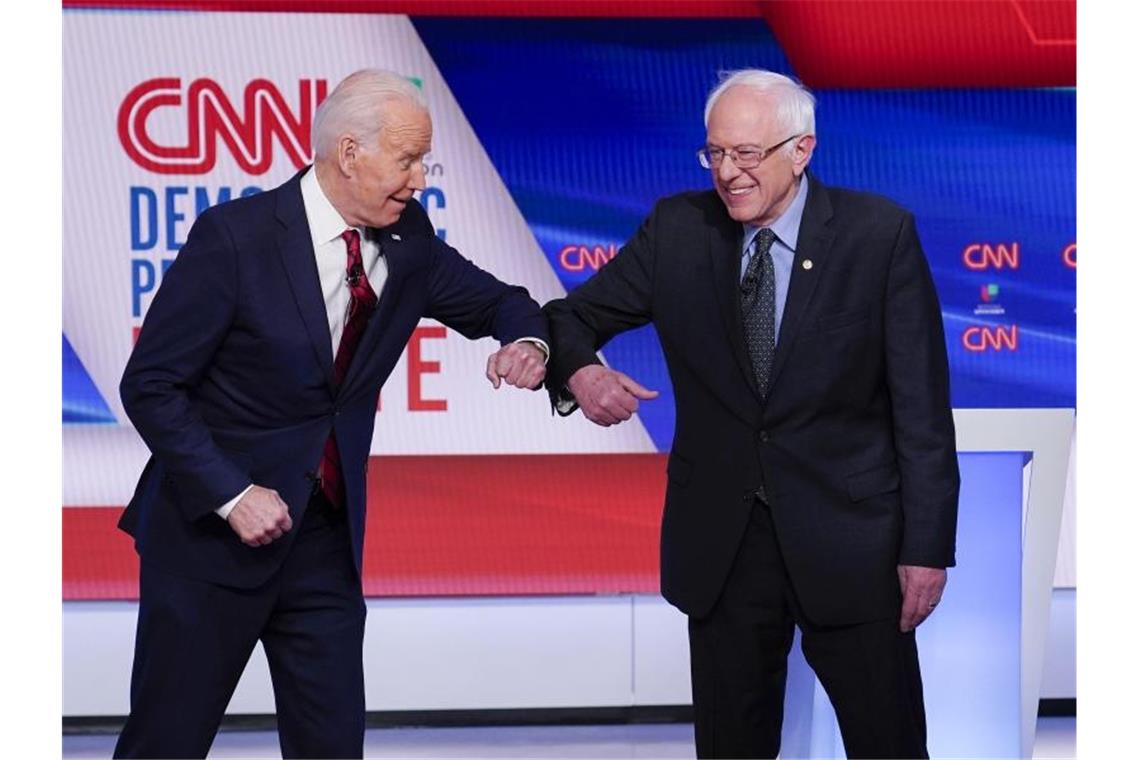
617 298
918 380
474 302
187 321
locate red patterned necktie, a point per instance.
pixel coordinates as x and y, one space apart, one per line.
360 308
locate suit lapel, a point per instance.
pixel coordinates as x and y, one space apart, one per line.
813 245
295 245
725 240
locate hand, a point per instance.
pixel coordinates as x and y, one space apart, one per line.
606 396
922 591
519 364
260 517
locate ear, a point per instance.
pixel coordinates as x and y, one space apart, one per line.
801 153
347 154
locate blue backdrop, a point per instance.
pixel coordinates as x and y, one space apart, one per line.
590 121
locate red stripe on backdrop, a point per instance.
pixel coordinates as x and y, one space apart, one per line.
516 8
458 526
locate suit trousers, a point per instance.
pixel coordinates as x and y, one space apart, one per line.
739 651
195 638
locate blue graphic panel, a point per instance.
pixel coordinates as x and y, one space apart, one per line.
970 650
986 173
590 121
82 402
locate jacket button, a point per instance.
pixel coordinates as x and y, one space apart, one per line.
763 436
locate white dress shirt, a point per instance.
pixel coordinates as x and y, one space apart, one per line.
331 251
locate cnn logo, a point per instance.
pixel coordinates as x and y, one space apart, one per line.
576 258
979 256
248 130
978 339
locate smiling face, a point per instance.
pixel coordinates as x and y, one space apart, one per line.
743 116
379 179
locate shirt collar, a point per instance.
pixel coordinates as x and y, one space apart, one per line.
325 222
787 225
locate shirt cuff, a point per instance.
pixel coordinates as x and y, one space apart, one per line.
224 510
540 344
564 402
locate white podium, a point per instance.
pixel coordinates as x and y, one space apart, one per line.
982 654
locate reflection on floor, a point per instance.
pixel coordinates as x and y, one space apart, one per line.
1056 738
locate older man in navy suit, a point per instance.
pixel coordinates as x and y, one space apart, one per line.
813 479
254 383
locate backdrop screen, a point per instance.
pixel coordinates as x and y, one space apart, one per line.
553 138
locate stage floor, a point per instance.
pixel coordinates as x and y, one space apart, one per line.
1056 738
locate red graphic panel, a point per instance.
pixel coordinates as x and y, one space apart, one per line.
458 526
932 43
830 43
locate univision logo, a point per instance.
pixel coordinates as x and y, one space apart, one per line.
988 305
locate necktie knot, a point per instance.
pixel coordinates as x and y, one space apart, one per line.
761 246
763 240
351 237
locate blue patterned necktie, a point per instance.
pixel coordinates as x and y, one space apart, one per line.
758 307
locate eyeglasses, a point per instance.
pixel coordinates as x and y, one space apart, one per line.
743 156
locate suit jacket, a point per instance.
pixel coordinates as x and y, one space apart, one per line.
855 443
231 380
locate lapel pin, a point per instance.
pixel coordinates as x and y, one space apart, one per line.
807 264
395 236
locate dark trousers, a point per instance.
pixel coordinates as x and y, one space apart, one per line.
194 639
739 665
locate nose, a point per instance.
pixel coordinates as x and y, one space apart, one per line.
727 169
417 180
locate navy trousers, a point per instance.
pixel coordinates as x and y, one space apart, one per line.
194 640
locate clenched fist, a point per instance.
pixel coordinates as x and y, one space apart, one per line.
260 517
519 364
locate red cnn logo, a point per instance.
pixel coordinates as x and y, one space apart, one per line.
978 339
211 118
978 256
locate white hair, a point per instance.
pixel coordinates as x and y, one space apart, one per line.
357 107
795 109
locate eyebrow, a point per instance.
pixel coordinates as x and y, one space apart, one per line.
740 145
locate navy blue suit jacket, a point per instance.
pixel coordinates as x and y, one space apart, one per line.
231 380
855 442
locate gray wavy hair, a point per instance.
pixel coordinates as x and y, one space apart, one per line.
796 106
357 107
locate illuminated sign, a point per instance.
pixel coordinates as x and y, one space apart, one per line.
212 119
979 256
577 258
978 339
1069 256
